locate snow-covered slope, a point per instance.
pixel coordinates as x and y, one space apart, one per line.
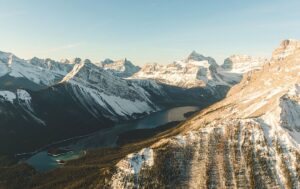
194 71
120 68
95 88
40 72
61 68
248 140
42 101
243 63
98 91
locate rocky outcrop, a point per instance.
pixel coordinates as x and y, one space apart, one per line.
286 48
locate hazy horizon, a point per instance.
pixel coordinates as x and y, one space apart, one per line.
144 32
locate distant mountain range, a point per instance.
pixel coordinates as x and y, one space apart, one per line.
43 100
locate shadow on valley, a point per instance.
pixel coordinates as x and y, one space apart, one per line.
83 169
65 119
142 134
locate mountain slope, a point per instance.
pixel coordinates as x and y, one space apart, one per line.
87 99
33 74
76 97
30 120
96 88
248 140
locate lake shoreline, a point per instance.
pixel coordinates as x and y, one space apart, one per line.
148 125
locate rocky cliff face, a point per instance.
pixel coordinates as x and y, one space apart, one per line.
120 68
286 48
248 140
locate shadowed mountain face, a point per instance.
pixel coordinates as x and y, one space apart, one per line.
8 82
87 99
70 98
39 118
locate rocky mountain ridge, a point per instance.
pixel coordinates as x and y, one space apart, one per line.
200 71
97 94
120 68
248 140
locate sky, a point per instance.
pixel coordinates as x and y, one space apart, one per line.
145 31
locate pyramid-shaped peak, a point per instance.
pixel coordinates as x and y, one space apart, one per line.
195 56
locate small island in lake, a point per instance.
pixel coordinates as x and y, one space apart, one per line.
58 151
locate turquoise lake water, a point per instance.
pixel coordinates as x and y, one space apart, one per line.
107 137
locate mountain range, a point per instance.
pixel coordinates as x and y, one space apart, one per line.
245 136
43 100
248 140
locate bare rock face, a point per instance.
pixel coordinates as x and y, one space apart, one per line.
286 48
248 140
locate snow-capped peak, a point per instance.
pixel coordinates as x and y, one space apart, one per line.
7 58
121 68
36 73
196 57
243 63
4 55
195 71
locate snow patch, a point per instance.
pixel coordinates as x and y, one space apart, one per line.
133 163
7 96
23 95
